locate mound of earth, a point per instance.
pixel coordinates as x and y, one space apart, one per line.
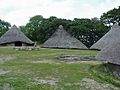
76 58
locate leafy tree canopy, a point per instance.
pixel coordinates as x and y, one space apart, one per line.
86 30
111 17
4 26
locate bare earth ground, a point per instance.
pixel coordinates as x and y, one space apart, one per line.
2 72
6 58
91 84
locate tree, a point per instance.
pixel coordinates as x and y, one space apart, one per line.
40 29
111 17
80 29
98 30
4 26
86 30
33 28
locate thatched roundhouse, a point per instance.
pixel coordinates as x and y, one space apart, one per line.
62 39
110 53
112 36
15 37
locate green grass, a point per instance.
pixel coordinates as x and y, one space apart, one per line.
23 71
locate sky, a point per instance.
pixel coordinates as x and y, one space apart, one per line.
19 12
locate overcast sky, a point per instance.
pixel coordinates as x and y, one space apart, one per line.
19 11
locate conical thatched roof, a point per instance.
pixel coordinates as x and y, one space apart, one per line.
110 53
62 39
110 37
14 35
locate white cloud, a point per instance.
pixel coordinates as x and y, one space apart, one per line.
90 9
19 11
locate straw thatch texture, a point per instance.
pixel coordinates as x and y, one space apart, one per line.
112 36
110 53
62 39
14 35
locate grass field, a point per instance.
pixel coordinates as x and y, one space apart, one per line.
30 70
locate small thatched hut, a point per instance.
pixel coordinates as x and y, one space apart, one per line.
112 36
15 37
110 53
62 39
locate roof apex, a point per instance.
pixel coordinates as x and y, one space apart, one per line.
61 27
14 27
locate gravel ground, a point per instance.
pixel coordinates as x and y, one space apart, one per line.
90 84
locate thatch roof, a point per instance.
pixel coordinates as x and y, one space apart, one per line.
14 35
110 37
62 39
110 53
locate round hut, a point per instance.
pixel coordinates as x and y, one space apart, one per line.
62 39
112 36
15 37
110 53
